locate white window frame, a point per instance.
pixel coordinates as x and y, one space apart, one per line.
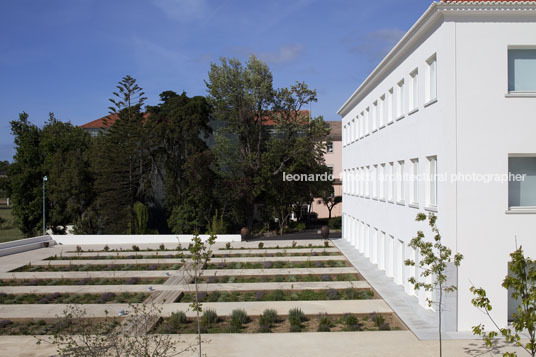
400 110
392 183
400 188
367 116
381 187
374 182
414 187
414 91
381 112
374 119
431 80
329 147
431 189
390 106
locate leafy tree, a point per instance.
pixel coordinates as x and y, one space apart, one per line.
25 176
179 128
265 132
433 266
521 280
200 254
66 163
241 97
121 163
330 200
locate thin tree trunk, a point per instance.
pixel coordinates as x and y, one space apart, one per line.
197 312
440 302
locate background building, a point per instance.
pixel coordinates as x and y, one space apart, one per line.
457 94
333 158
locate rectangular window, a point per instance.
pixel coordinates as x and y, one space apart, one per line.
367 112
400 182
432 179
374 179
522 70
374 117
390 108
329 146
431 79
356 128
382 182
352 130
414 90
414 194
361 188
391 192
522 193
344 135
362 125
367 182
381 112
400 99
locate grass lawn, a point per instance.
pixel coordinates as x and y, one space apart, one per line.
11 232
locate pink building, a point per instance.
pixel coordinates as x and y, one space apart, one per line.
333 158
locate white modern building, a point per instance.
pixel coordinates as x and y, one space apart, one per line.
456 96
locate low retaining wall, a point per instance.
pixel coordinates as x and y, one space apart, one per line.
72 239
23 245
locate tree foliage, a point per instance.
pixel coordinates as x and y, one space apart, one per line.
521 281
433 264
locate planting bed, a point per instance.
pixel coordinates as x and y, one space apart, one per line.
58 298
49 326
280 264
83 281
269 321
279 278
181 256
96 267
279 295
313 276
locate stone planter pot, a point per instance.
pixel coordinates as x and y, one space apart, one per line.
325 232
244 233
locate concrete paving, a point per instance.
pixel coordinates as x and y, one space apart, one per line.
218 252
178 286
310 344
253 308
167 273
176 260
422 322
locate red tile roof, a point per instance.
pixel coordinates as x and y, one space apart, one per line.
104 122
269 121
483 1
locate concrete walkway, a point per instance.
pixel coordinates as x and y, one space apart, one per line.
422 322
310 344
168 273
253 308
180 286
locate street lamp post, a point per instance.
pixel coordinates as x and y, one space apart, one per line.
45 179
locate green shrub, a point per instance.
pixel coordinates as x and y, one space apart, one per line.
209 317
135 248
106 248
335 223
162 247
240 315
228 245
351 323
178 318
261 245
270 315
326 243
296 316
324 324
377 319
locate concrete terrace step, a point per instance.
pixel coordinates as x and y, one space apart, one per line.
175 261
175 289
219 252
253 308
168 273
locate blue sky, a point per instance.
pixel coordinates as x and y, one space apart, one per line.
66 56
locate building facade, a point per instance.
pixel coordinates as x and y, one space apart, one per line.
437 127
333 160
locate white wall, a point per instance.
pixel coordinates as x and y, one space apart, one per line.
137 239
471 128
490 126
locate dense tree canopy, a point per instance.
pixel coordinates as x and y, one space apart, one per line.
178 166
